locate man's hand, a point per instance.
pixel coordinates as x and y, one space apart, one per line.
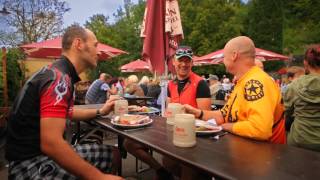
227 126
108 106
191 110
109 177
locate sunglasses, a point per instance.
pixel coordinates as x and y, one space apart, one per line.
180 52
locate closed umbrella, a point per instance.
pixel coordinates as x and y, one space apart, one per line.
161 31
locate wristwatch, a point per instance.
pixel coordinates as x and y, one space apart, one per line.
201 114
98 114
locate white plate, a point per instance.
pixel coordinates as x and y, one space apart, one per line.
204 123
131 125
151 110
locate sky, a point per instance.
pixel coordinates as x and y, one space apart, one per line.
82 10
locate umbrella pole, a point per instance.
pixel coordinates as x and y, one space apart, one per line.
164 85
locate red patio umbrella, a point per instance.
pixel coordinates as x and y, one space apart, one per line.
216 57
162 31
135 66
52 49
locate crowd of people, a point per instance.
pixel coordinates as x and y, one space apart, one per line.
255 108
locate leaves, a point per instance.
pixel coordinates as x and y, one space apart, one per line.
35 20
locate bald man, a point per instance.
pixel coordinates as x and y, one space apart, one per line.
254 109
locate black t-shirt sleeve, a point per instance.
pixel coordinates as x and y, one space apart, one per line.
203 90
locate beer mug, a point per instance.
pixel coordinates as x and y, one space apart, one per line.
184 132
172 110
120 107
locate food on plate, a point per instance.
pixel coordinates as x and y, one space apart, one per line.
130 119
135 108
205 126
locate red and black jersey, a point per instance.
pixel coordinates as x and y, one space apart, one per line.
48 93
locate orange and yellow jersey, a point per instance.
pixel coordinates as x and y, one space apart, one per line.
255 108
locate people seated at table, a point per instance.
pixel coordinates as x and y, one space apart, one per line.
99 90
293 72
302 104
187 88
154 90
143 83
35 147
254 109
215 86
132 88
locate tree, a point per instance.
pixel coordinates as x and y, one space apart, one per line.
123 34
264 24
302 24
209 24
35 20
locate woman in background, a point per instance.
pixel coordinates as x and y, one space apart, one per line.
302 104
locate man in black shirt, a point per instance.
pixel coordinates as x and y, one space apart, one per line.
35 147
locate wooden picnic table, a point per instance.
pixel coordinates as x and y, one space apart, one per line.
230 157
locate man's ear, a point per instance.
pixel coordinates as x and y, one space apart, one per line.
77 43
235 56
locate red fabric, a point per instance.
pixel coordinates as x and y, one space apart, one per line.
160 45
216 57
279 133
54 99
188 94
154 45
135 66
52 49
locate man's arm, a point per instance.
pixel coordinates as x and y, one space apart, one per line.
204 103
203 96
86 114
206 115
53 145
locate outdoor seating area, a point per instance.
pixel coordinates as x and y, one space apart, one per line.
159 89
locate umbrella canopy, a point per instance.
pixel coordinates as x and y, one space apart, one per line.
135 66
52 49
162 31
216 57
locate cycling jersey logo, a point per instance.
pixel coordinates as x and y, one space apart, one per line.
253 90
61 89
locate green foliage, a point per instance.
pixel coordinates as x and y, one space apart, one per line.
273 66
219 70
302 24
264 24
123 34
14 73
209 24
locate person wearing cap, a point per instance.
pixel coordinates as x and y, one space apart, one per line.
188 87
254 109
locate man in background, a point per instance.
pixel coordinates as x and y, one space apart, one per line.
99 90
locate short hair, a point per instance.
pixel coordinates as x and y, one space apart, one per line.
295 70
312 56
133 79
144 80
72 32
